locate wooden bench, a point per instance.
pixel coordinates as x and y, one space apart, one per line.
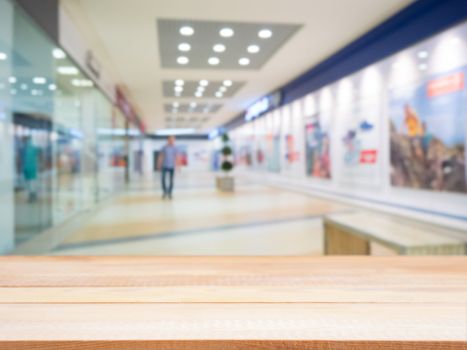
124 303
364 233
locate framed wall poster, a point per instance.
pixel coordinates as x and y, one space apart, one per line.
360 144
428 133
317 143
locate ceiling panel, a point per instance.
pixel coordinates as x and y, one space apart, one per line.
247 46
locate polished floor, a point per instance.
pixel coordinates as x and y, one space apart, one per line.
254 220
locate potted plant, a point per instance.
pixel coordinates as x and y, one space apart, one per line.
226 183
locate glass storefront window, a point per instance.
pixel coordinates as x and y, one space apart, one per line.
55 161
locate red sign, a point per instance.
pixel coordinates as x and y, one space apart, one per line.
368 156
125 106
445 85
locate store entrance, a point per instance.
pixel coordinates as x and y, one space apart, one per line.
33 175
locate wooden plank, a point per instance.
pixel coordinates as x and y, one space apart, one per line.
231 303
218 321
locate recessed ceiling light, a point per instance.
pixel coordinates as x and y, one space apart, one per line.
218 48
199 94
193 104
3 56
228 82
179 82
204 83
253 49
182 60
52 87
184 47
187 31
67 70
226 32
178 89
12 80
39 80
265 34
223 89
200 89
214 61
244 61
24 86
219 94
422 54
82 83
58 54
422 66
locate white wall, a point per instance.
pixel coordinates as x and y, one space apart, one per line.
365 96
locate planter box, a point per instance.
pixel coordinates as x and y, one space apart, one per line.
225 184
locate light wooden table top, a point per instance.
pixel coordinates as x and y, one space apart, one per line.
233 303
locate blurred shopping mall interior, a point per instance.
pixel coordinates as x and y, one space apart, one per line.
233 174
301 127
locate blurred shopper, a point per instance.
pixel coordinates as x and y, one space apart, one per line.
168 163
30 170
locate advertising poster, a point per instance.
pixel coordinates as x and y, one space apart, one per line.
359 139
317 142
428 134
291 153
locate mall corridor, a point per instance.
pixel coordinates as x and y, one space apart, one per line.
233 174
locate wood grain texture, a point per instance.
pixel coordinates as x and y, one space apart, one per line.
233 303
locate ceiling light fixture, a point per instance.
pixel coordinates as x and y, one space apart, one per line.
228 82
184 47
223 89
204 83
219 94
214 61
24 86
58 54
265 33
179 82
12 80
244 61
39 80
226 32
253 49
52 87
218 48
178 89
182 60
3 56
422 66
199 94
193 104
187 31
82 83
422 54
67 70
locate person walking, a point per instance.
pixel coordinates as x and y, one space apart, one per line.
168 163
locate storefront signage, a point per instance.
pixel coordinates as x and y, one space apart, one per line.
264 105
